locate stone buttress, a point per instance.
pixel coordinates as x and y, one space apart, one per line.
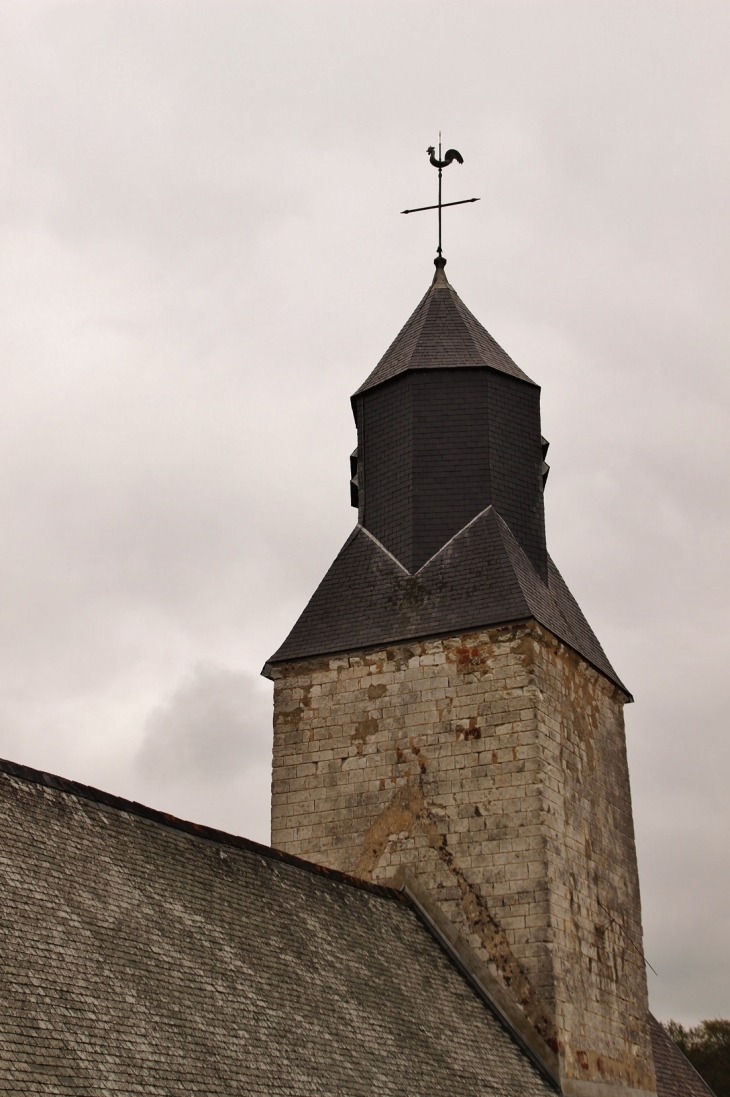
442 703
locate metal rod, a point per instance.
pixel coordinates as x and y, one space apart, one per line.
439 247
461 202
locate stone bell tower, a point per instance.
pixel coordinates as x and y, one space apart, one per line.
442 703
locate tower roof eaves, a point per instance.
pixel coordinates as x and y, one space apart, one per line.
480 578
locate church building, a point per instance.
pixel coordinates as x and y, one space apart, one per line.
451 902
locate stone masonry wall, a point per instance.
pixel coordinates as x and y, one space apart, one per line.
493 765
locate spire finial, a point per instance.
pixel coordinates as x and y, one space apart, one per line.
439 278
449 157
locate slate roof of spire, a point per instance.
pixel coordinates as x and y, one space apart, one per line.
481 577
442 333
141 954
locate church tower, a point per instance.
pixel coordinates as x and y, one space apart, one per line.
443 706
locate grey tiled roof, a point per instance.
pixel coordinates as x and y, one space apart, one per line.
142 955
441 333
481 577
675 1075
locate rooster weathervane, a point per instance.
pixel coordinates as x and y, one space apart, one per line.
449 157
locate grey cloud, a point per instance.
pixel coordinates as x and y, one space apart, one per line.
215 726
201 257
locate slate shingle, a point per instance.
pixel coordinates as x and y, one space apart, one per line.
140 955
675 1075
437 446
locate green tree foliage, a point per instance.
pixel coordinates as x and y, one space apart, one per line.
707 1046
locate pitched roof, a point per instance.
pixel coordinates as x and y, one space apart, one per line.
441 333
141 954
481 577
675 1075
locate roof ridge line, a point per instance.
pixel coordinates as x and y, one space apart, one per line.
426 308
381 546
497 999
196 830
513 545
453 538
422 304
470 319
467 325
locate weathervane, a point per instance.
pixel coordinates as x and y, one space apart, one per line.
451 155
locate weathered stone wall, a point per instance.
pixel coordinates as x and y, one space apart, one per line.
493 765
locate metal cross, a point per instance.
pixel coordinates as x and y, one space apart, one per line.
451 155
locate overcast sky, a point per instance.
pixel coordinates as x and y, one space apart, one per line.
202 258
